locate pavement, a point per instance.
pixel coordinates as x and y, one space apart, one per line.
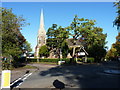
78 76
17 73
74 76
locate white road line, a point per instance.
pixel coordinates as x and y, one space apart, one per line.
15 81
24 77
18 79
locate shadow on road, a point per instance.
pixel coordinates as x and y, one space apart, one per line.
84 76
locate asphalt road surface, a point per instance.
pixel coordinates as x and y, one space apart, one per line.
75 76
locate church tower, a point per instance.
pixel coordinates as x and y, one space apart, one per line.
41 38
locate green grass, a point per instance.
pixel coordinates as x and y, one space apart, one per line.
25 67
29 67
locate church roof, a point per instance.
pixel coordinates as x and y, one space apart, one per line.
70 42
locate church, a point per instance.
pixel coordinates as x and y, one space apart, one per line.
41 37
41 40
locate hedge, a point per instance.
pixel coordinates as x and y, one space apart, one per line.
48 60
67 60
89 60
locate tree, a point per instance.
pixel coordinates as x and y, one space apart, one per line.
92 36
64 49
115 49
95 43
80 28
51 34
56 36
27 46
111 54
117 44
43 51
12 39
117 20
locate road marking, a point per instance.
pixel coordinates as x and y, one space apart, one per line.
15 81
18 79
26 76
23 78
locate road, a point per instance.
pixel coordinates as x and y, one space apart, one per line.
78 76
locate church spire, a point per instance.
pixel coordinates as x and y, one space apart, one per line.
41 28
41 38
41 19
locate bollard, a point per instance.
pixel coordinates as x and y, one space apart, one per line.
5 79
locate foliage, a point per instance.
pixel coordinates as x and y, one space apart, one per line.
43 51
98 52
117 20
80 28
48 60
56 36
6 64
117 45
65 49
84 30
114 52
111 54
90 60
12 39
115 49
91 37
27 46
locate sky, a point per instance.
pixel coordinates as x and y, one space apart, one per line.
62 14
59 0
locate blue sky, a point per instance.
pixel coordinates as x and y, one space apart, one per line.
62 14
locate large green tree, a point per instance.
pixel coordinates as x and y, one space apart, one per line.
27 46
117 20
43 51
117 23
64 49
115 49
114 52
111 54
92 37
117 44
56 36
13 42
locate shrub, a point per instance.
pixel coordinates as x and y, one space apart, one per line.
67 60
90 60
48 60
32 59
79 59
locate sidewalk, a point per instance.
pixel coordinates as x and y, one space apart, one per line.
17 73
